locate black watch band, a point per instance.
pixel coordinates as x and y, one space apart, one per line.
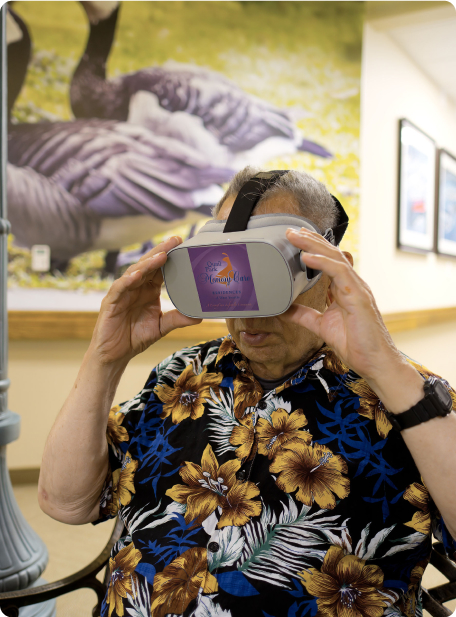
436 402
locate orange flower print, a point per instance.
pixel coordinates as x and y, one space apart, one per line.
180 582
407 603
227 347
314 471
210 486
238 507
122 568
115 432
123 483
244 437
371 406
345 586
187 397
418 496
247 393
333 363
284 429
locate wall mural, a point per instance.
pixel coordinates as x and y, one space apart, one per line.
127 119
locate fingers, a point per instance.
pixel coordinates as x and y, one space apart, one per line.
320 254
341 273
164 246
305 316
313 242
173 319
147 269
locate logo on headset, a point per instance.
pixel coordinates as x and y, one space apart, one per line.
223 277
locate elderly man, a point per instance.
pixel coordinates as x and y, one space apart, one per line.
258 475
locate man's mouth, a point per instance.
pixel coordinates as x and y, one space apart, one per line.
254 337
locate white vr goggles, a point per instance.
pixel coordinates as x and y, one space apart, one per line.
244 267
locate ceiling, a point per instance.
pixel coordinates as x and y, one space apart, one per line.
426 32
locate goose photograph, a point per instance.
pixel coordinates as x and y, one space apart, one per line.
126 120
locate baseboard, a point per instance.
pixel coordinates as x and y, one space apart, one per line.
27 475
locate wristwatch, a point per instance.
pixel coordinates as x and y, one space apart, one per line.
436 402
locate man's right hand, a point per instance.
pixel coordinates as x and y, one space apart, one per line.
131 318
73 470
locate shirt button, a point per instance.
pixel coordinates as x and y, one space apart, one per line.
241 475
213 547
262 405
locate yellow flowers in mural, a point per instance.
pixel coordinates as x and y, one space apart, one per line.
282 91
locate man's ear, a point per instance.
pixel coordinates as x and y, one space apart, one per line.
348 256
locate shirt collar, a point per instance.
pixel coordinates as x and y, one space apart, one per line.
228 349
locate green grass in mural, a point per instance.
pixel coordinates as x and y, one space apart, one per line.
304 56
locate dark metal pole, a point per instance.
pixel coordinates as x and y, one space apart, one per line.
23 555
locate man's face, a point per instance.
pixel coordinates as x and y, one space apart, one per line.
274 345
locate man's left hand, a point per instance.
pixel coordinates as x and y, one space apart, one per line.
353 327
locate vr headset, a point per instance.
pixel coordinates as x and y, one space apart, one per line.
244 267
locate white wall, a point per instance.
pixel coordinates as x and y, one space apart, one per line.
42 374
393 87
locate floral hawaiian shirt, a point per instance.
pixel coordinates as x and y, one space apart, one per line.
299 502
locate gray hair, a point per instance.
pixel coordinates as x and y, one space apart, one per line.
313 198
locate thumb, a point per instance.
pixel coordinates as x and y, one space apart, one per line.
173 319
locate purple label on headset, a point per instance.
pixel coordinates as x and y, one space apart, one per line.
223 278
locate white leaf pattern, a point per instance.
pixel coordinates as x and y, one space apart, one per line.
276 548
138 518
208 608
231 544
361 546
408 543
173 366
168 515
140 600
378 539
221 412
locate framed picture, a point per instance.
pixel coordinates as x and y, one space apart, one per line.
446 204
416 211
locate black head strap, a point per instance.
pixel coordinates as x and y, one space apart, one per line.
250 194
248 198
342 222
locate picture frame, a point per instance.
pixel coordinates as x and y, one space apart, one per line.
446 204
416 189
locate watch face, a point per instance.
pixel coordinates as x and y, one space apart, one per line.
443 395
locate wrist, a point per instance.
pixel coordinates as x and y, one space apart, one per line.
399 388
105 375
